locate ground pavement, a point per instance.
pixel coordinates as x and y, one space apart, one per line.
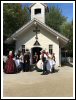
33 84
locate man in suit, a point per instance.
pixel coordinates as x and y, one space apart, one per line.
44 59
26 61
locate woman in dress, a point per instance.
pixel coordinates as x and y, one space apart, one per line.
10 66
51 63
39 65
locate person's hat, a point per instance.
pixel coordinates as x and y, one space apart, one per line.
27 49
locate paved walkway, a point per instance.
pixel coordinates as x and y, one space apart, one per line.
33 84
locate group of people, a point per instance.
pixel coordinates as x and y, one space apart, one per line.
46 63
17 63
21 61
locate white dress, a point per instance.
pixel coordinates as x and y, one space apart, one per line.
17 62
40 64
50 64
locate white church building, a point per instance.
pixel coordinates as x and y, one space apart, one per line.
36 35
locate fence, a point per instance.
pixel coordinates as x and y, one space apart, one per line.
67 59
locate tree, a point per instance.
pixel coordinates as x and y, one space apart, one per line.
67 30
58 22
54 18
13 17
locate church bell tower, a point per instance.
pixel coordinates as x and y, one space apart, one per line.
38 11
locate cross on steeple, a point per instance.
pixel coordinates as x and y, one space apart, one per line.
36 30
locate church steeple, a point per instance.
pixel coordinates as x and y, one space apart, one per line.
38 11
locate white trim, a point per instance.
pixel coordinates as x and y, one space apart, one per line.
1 50
73 97
53 31
74 49
38 1
31 22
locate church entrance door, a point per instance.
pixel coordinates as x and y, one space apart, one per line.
36 50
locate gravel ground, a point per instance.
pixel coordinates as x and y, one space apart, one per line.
33 84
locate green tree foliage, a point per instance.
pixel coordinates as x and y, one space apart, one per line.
54 18
67 30
58 22
13 17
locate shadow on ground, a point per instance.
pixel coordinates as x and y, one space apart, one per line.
33 67
55 71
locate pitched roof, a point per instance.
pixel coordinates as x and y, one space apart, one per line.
45 5
47 28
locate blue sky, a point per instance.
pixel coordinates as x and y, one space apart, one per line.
67 8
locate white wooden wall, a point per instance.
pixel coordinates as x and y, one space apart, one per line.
41 16
45 39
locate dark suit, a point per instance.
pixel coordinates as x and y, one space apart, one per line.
26 62
44 65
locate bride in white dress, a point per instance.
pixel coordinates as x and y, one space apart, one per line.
50 64
39 65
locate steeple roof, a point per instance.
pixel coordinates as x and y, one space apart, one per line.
44 4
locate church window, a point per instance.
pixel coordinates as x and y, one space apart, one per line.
23 48
37 11
50 49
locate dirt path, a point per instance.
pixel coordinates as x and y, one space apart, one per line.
33 84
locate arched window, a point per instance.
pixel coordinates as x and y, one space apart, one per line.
37 11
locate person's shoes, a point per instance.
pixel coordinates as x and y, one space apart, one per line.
46 73
23 70
51 72
43 74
